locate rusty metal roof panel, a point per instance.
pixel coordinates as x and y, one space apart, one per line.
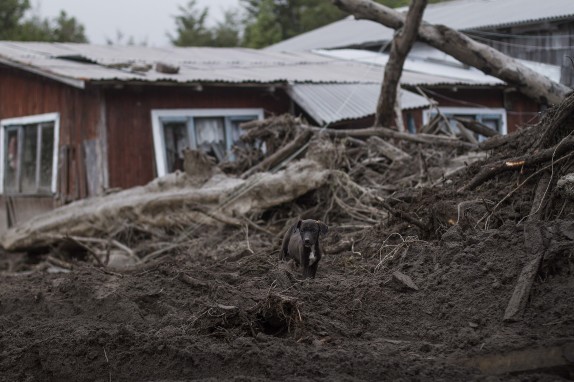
330 103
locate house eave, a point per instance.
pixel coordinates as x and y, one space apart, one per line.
77 83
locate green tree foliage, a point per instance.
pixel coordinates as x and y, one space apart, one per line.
265 27
60 29
270 21
66 28
228 31
190 27
15 26
11 14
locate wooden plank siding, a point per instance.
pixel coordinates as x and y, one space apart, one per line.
26 94
129 127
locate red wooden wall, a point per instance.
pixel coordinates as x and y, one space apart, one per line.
130 142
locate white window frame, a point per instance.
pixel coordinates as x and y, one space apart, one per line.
158 136
470 111
30 120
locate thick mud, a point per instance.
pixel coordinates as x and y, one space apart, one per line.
221 312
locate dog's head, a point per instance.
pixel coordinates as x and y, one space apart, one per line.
310 230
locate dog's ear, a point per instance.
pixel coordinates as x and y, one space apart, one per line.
323 229
299 224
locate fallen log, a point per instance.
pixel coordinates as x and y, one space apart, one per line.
478 127
466 133
384 148
466 50
171 201
385 132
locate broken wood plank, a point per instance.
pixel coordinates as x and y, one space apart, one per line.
534 242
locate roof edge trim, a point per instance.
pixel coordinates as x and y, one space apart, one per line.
80 84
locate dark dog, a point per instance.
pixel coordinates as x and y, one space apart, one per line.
301 243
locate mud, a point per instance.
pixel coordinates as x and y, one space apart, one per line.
220 312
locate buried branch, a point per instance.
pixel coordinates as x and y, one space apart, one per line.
521 162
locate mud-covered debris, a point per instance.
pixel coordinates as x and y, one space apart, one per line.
400 281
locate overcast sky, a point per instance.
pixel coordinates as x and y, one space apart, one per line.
144 20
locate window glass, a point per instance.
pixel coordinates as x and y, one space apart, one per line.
176 140
236 131
492 120
46 156
493 123
29 158
11 161
214 134
210 136
29 161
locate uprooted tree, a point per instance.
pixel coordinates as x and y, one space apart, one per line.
466 50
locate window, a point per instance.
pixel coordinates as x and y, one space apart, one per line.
29 148
213 131
493 118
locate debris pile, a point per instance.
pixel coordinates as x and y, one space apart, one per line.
444 258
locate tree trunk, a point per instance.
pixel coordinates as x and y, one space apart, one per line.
466 50
386 114
171 201
385 132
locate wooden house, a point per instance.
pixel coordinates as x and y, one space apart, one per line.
78 120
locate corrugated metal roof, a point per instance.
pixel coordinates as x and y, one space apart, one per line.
416 70
331 103
457 14
79 63
228 65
